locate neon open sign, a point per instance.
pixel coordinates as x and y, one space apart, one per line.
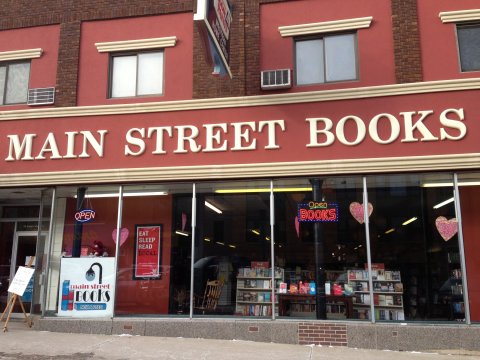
85 215
315 211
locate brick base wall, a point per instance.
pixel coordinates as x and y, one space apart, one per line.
328 334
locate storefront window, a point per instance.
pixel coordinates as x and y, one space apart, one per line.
232 269
154 258
319 239
82 261
469 188
414 248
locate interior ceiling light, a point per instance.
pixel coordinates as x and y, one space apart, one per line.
256 232
443 203
213 207
389 231
125 194
262 190
450 184
183 233
409 221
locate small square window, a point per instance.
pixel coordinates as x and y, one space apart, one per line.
136 74
469 46
327 59
14 79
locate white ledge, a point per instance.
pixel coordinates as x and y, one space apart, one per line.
155 43
20 54
459 16
246 101
327 26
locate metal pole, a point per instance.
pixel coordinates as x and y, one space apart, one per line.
272 246
49 250
461 249
194 224
367 240
321 301
117 245
78 227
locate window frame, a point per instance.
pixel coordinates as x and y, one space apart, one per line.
322 37
136 54
461 25
7 65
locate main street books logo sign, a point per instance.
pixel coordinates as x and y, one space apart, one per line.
148 247
86 287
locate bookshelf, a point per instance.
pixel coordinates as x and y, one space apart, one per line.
254 291
456 286
387 294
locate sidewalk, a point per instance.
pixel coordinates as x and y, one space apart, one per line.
23 343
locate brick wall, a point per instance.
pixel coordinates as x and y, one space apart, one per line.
408 58
328 334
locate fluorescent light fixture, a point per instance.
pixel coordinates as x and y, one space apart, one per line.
183 233
256 232
125 194
262 190
447 184
232 246
207 239
443 203
267 238
389 231
220 243
212 207
409 221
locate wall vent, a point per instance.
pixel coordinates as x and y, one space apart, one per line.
41 96
276 79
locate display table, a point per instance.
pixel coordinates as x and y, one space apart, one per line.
307 299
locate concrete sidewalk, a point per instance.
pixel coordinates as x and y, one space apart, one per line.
20 342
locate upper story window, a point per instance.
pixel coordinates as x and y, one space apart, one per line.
326 51
329 58
469 46
14 77
137 74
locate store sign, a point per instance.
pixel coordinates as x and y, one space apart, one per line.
214 19
85 215
147 251
86 287
318 211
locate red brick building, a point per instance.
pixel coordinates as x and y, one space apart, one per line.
182 166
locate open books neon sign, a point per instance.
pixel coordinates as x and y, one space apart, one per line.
314 211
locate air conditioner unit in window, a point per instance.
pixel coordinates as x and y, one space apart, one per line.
276 79
41 96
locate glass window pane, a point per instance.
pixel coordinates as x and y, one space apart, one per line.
233 249
124 76
340 57
309 62
150 73
3 72
415 248
320 242
154 260
469 47
17 83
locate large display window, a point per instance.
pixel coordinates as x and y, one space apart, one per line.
415 248
153 274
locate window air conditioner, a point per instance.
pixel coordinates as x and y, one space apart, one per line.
41 96
276 79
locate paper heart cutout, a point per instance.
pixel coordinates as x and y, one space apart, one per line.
123 235
446 228
356 209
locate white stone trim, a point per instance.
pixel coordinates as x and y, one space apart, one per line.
230 171
327 26
127 45
20 54
246 101
460 15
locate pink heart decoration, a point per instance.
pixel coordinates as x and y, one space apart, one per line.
446 228
356 209
123 235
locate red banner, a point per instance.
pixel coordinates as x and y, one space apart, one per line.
147 251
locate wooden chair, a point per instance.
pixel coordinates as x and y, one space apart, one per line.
209 301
